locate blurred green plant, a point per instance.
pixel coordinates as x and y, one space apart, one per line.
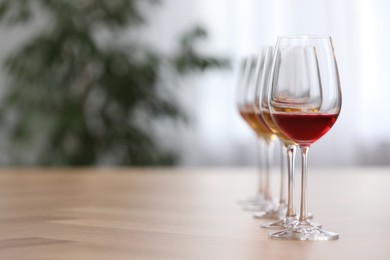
79 94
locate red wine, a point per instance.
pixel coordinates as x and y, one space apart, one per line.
304 129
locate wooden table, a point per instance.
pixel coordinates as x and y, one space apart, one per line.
181 214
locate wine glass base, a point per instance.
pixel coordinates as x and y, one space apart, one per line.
283 223
260 206
255 203
286 222
304 230
272 213
259 198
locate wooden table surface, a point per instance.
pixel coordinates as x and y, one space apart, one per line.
181 214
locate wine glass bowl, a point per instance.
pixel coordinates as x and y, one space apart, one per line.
304 101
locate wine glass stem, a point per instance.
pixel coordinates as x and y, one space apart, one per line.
303 214
291 150
282 200
268 163
260 166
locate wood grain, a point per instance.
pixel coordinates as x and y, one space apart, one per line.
181 214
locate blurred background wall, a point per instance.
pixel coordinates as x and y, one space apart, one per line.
238 28
215 135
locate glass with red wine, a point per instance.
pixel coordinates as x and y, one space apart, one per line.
304 102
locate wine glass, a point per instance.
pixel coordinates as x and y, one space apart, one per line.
284 213
304 102
246 99
246 66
